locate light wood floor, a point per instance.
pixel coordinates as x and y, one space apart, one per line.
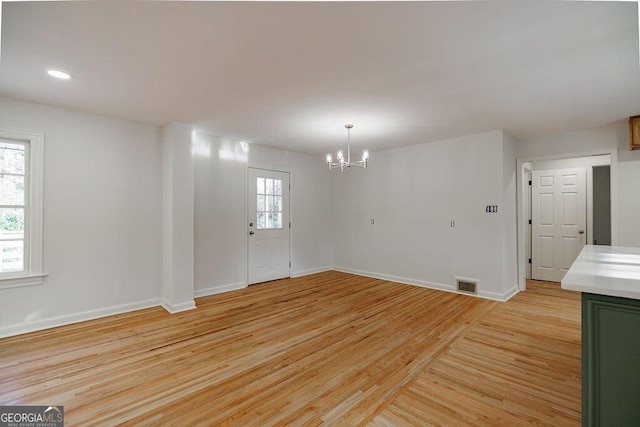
331 348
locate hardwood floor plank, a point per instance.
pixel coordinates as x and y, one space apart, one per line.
326 349
527 364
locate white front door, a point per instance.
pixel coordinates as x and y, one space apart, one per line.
559 217
268 225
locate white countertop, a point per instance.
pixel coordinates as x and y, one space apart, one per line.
606 270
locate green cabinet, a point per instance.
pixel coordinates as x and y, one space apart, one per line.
610 361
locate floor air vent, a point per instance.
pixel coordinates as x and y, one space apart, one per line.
466 285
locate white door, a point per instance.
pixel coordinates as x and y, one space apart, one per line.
268 225
559 216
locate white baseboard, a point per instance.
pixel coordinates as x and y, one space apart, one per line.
177 308
510 293
398 279
53 322
218 289
309 271
495 296
431 285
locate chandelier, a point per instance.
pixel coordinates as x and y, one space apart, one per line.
343 163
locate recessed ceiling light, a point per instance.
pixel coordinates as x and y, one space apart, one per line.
59 74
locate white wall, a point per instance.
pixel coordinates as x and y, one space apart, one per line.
629 202
509 209
576 162
177 217
102 223
628 174
220 229
613 136
413 194
219 215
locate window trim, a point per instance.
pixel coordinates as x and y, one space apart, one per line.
33 273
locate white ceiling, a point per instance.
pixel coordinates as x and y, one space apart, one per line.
290 75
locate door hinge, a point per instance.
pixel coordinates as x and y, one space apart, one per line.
289 264
289 186
289 226
529 260
530 182
529 221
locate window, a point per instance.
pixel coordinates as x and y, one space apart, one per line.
13 173
269 203
20 208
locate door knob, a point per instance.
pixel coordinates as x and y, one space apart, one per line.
581 232
251 233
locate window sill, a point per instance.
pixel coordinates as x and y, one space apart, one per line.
21 281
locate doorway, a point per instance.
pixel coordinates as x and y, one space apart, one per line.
268 228
599 170
602 205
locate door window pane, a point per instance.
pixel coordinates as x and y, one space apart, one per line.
269 203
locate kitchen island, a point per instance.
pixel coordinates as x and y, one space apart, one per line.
609 279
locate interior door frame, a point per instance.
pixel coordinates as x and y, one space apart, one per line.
246 213
521 206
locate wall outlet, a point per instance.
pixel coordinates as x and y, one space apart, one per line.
453 224
372 221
